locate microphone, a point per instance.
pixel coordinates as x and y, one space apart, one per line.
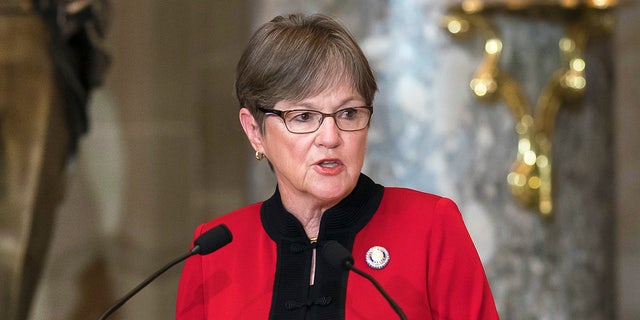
206 243
338 256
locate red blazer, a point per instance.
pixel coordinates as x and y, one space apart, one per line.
433 270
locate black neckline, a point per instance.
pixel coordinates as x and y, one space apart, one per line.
348 216
293 298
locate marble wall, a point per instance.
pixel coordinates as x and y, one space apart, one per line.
430 134
165 153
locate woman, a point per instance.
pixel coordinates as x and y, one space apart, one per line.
306 92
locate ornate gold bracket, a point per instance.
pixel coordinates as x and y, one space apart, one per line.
530 177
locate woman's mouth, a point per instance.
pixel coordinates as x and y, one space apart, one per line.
328 164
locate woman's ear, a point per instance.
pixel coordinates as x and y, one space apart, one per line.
251 129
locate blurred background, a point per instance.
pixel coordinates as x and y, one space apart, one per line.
164 152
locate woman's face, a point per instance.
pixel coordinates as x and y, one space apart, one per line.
321 167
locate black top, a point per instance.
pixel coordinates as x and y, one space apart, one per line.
293 297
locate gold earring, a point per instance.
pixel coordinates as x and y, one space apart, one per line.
259 155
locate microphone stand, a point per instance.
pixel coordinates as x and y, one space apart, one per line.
144 283
208 242
338 256
384 293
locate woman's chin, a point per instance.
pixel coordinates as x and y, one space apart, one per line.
331 192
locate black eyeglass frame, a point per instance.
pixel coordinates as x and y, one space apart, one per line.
282 114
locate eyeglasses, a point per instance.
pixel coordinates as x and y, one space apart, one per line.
308 121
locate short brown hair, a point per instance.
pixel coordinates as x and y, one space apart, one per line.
297 56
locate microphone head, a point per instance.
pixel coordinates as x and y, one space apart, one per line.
212 240
336 255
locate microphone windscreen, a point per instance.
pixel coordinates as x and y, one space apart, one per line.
336 254
212 240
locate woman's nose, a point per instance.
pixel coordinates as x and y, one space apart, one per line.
328 133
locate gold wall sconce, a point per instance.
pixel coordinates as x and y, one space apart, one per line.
530 178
